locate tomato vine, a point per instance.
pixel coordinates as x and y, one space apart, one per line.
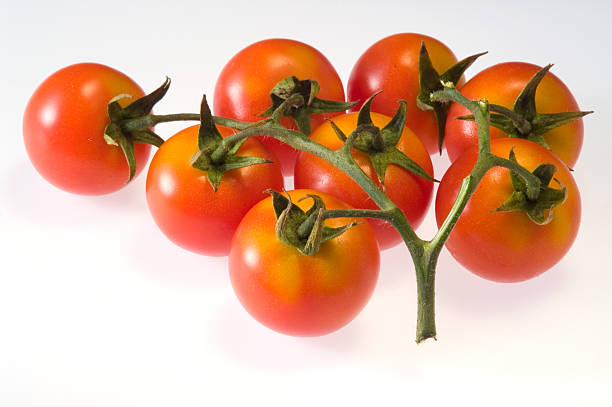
297 98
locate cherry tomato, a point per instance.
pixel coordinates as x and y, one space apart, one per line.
408 191
243 88
63 129
507 246
392 65
183 203
296 294
501 84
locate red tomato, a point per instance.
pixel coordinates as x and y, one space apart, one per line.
411 193
296 294
183 202
507 246
63 129
392 65
501 84
243 88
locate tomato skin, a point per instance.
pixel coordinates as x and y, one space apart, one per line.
243 88
507 246
392 65
408 191
183 203
297 294
63 129
501 84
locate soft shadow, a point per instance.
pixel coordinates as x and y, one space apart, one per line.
29 197
150 252
247 342
458 288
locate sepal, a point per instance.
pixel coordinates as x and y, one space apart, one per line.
147 136
304 230
539 210
525 102
298 99
523 121
208 134
381 145
144 105
115 134
380 162
209 139
431 81
545 122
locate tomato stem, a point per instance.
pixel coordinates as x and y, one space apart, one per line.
424 253
151 120
426 315
426 262
358 213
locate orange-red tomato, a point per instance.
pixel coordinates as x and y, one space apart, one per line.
507 246
411 193
243 88
296 294
63 129
185 206
501 84
392 65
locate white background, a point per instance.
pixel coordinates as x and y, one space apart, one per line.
97 308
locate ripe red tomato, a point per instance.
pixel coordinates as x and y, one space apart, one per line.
63 129
296 294
501 84
507 246
243 88
411 193
392 65
183 203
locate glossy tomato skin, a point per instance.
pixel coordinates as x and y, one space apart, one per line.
501 84
183 203
507 246
243 88
297 294
392 65
411 193
63 129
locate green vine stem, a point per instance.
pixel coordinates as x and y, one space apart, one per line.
426 265
424 253
152 120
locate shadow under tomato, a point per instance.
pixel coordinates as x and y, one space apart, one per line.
28 196
458 288
244 340
150 252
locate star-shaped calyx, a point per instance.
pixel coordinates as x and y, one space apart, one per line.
539 210
303 230
381 144
430 81
298 99
116 132
523 120
209 139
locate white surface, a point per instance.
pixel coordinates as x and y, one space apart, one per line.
97 308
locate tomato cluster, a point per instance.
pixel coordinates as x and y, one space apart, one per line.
296 268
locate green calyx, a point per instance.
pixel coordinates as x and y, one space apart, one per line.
431 81
298 99
523 120
381 144
117 134
303 230
209 139
539 210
